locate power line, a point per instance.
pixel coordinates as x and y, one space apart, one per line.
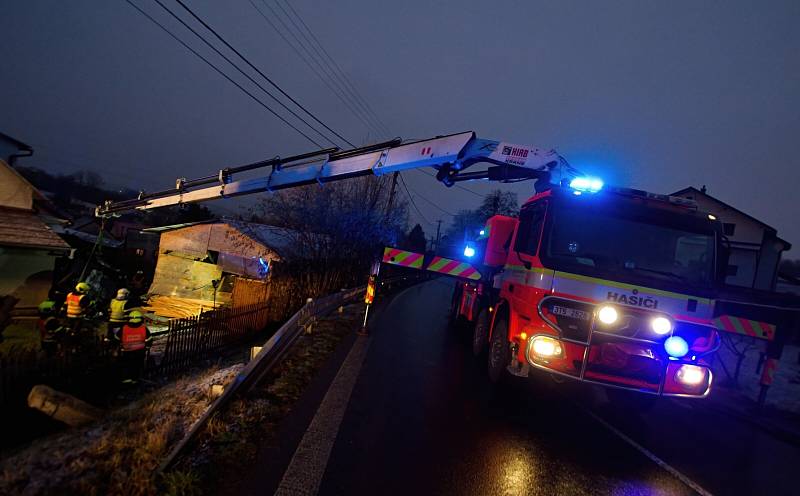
228 60
270 81
305 55
344 75
340 76
198 55
411 198
434 204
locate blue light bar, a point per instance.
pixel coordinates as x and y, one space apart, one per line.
587 184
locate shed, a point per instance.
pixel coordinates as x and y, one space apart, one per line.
192 258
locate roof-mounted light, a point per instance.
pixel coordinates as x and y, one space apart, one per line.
586 184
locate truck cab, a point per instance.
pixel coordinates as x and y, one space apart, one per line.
603 285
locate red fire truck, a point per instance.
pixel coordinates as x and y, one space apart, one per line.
605 285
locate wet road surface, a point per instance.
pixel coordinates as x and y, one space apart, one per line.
423 418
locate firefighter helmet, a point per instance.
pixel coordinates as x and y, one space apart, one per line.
46 307
82 287
122 294
135 316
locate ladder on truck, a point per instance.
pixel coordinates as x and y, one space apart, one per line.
449 155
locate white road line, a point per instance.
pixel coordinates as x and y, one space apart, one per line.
649 454
304 474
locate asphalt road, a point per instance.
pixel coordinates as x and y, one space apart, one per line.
423 418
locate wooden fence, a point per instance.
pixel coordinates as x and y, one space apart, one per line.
193 339
71 369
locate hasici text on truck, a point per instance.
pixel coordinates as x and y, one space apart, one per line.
605 285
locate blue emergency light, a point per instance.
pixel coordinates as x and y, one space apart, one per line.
469 251
586 184
676 346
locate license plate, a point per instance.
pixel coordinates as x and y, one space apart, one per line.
571 313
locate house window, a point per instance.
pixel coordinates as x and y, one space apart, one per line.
728 228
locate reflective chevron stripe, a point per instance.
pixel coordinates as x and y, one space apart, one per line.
454 268
752 328
402 258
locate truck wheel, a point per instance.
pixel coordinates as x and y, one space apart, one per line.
499 351
480 333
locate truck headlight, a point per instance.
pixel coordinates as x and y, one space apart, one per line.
690 375
661 325
545 347
607 315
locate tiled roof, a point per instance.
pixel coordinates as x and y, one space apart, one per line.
25 228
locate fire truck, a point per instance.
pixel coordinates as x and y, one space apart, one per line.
605 285
612 286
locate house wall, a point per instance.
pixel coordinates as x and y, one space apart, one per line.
14 191
26 274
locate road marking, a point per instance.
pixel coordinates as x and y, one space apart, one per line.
304 474
649 454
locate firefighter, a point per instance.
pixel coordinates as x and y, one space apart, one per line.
117 315
134 340
77 303
49 326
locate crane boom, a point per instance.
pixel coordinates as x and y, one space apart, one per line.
449 155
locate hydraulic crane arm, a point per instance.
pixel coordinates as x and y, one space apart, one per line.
449 155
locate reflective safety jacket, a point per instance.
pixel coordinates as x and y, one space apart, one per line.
117 311
133 337
74 307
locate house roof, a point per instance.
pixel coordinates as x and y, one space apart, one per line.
695 191
161 229
692 189
25 229
19 144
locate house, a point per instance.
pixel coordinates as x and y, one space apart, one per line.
11 149
28 246
755 246
205 263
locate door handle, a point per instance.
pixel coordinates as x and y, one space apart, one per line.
510 288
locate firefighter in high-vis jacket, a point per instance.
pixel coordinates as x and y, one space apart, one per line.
49 326
117 313
134 338
77 303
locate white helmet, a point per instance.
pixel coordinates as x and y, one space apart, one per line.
122 294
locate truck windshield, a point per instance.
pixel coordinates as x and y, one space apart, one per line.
640 242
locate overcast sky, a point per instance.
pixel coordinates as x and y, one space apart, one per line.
654 95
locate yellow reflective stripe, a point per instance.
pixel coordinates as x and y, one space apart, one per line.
623 285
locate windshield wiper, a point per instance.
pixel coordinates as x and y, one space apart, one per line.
660 272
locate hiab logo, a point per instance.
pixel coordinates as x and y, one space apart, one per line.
635 299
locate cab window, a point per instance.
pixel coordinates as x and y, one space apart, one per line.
531 220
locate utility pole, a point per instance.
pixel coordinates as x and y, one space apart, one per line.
438 231
392 189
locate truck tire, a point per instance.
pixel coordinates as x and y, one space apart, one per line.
480 333
499 351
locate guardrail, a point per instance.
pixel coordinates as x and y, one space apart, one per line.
271 353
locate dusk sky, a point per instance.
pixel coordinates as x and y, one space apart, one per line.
653 95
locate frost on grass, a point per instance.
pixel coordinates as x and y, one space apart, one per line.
118 454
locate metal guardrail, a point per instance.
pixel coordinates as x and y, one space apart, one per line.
271 353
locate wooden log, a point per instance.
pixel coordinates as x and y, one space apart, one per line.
62 406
